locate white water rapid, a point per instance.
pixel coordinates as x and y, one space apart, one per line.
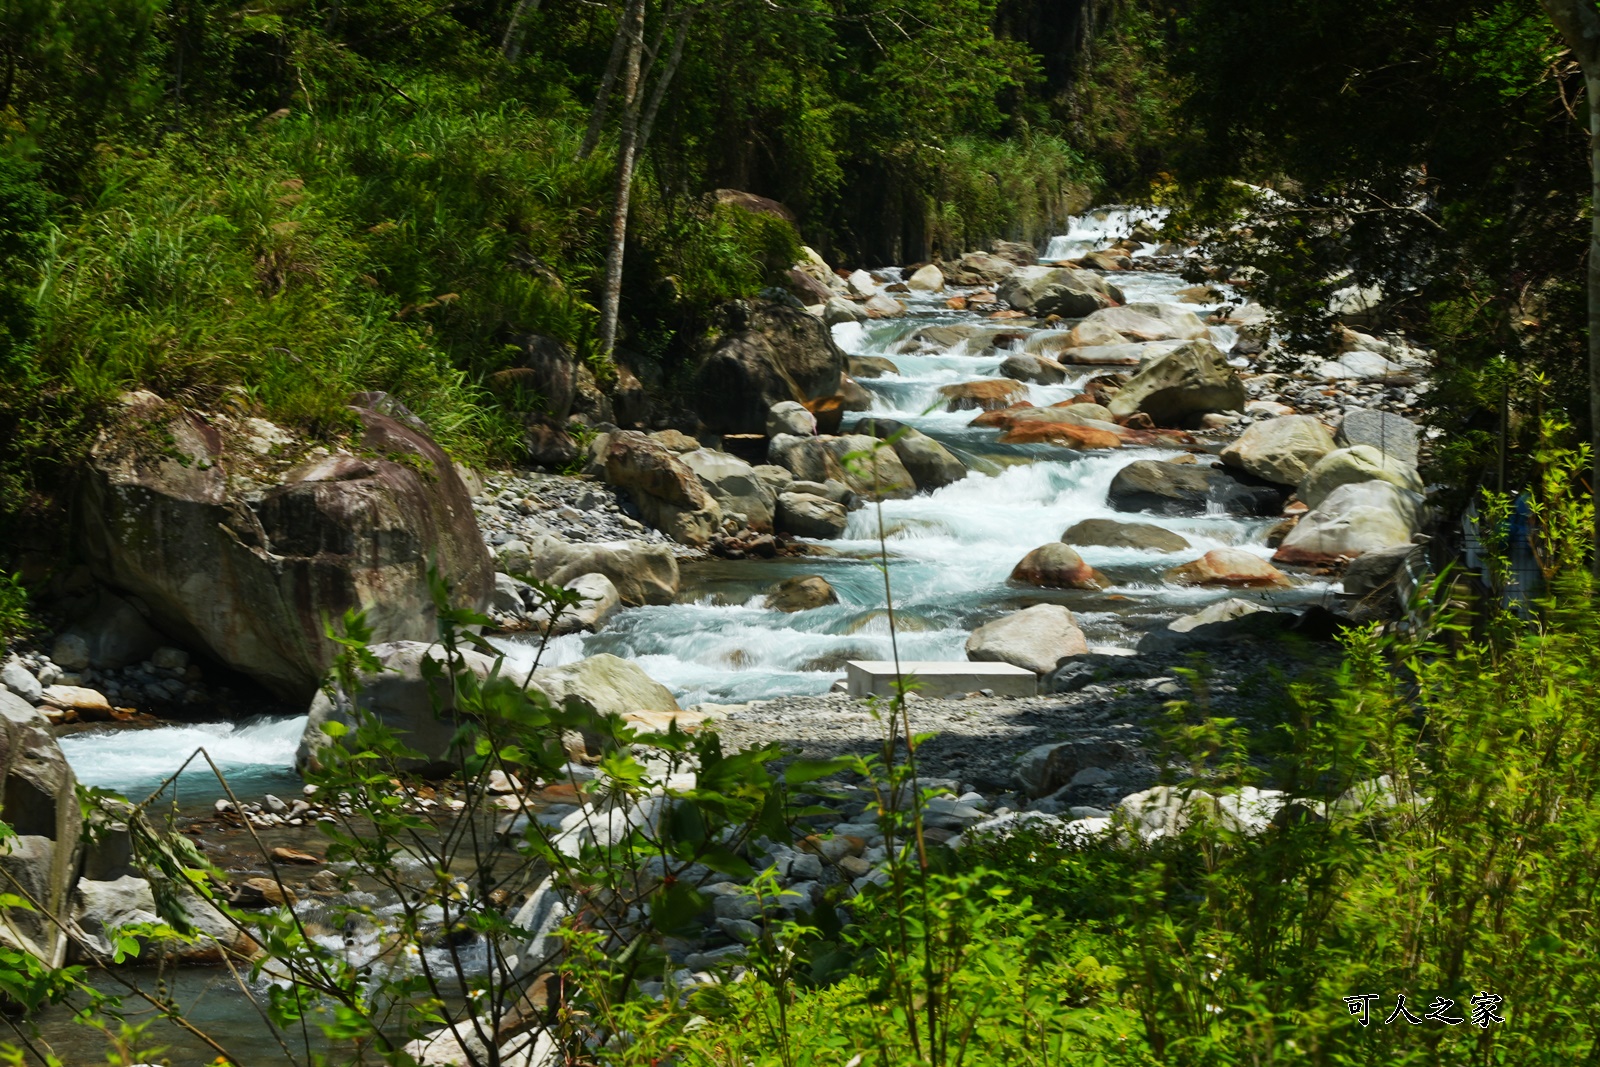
949 553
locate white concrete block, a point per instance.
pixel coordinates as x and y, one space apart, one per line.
940 679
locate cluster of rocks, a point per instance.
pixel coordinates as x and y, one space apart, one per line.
65 687
709 498
526 505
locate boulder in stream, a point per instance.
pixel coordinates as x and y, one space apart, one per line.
1187 382
665 489
1228 566
735 485
801 593
1353 519
1062 291
1280 450
1186 489
643 572
985 394
1109 533
1057 566
931 464
1358 463
808 515
1145 322
1037 369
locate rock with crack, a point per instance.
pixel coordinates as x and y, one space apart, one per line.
663 487
246 563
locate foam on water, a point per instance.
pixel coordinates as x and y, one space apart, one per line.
255 755
1101 227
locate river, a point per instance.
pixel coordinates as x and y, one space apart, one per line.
950 552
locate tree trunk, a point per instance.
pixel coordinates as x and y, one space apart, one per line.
511 43
1591 82
602 96
1578 21
648 123
627 145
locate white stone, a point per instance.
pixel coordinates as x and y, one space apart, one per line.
939 679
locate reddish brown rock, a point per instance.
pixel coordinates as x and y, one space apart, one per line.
1057 566
1066 434
987 394
1230 567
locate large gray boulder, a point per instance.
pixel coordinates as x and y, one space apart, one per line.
763 354
1280 450
808 515
643 572
931 465
245 558
1394 435
1186 382
1187 489
735 485
1353 519
38 801
1358 463
422 712
1109 533
1071 294
664 488
1145 322
1036 639
609 684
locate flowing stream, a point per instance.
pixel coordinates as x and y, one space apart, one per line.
949 552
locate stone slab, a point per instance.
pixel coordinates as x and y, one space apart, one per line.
940 679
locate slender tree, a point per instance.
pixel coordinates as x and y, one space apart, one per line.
1578 22
639 100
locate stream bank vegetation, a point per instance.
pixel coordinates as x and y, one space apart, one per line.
1442 814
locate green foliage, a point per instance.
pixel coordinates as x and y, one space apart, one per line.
14 620
1431 149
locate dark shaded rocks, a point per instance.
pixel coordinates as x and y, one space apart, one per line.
1109 533
1186 489
765 353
